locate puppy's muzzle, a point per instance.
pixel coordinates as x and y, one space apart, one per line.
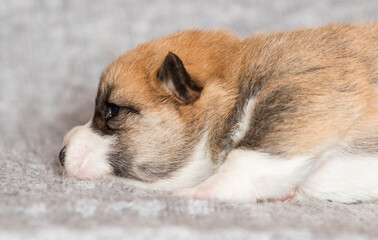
85 153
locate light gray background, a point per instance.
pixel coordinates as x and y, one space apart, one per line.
51 55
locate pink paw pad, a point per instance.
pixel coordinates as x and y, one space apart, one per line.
288 197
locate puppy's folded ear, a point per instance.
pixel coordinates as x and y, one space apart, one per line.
176 80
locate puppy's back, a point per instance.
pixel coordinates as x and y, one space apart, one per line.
315 88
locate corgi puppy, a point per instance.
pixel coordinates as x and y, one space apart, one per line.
210 116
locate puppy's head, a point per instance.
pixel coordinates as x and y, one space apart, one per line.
150 121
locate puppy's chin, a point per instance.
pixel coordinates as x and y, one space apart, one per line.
86 155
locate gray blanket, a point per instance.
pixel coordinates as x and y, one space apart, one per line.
51 55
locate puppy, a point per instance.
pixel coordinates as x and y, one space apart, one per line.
211 116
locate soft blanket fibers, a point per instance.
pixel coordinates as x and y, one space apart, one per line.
51 56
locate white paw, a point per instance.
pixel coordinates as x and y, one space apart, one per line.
216 193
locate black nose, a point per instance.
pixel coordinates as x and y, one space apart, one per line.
62 154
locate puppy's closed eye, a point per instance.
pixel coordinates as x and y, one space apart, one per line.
112 111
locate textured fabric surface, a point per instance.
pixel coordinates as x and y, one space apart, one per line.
51 55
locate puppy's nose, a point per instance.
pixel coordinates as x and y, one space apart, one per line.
62 154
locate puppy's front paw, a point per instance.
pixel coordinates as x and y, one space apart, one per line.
215 193
198 193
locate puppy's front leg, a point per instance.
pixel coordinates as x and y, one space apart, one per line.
247 176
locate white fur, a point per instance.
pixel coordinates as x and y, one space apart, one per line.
86 154
343 177
198 169
243 125
247 176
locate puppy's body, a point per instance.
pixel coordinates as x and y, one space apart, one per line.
213 116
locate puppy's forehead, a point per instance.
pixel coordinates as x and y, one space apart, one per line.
124 81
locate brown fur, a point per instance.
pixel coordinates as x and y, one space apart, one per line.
314 89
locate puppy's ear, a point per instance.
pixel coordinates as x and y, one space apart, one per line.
176 79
